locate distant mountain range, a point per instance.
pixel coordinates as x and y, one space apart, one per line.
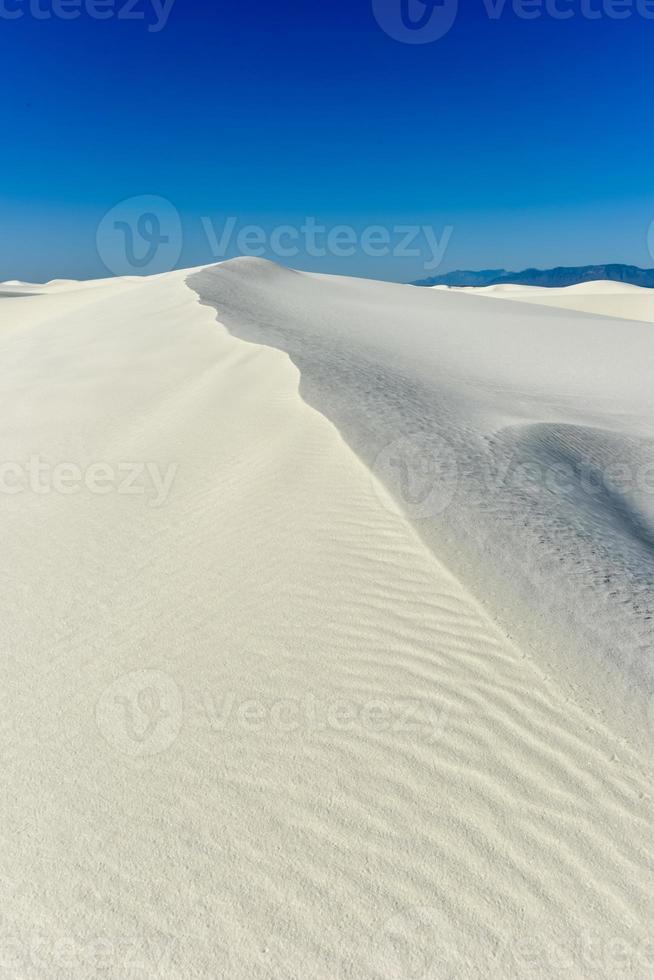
561 276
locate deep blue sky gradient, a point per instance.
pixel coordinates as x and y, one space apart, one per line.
534 139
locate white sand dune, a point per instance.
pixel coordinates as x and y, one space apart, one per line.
603 298
326 699
547 418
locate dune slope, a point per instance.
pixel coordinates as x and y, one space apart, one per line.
602 298
253 726
518 440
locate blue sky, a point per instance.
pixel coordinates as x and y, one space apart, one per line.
531 140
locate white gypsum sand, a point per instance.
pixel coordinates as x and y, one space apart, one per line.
603 298
538 423
252 723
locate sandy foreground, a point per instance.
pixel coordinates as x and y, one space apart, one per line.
328 614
